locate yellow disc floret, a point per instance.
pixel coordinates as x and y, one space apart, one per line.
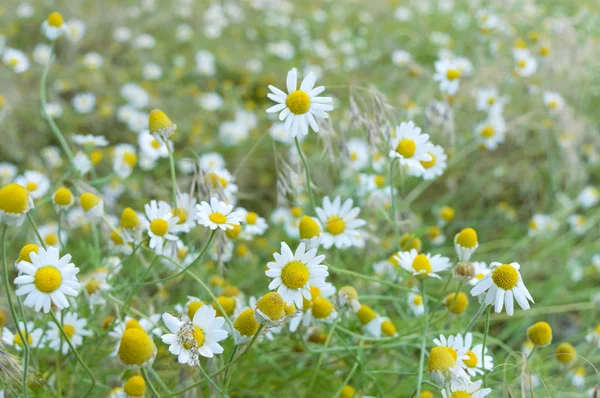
298 102
245 323
159 122
47 279
294 274
472 360
63 197
365 314
440 359
55 19
135 386
217 218
422 265
136 348
24 254
457 304
309 228
88 201
406 148
505 276
565 353
467 238
388 328
540 334
271 305
14 199
129 218
335 225
159 227
452 74
192 307
348 392
428 164
227 303
234 232
321 308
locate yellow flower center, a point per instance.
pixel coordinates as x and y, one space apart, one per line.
92 286
158 121
430 163
31 186
234 232
565 353
26 251
460 394
55 19
96 157
434 232
136 347
116 237
182 214
192 307
135 386
505 277
421 263
63 197
51 239
298 102
491 100
159 227
88 201
488 131
472 360
133 324
348 392
155 144
13 199
417 300
47 279
198 336
388 328
522 63
406 148
294 274
308 228
129 218
365 314
69 331
540 333
335 225
479 276
296 212
130 159
447 213
457 305
245 323
17 339
272 305
228 304
217 218
251 218
321 308
440 359
467 238
452 74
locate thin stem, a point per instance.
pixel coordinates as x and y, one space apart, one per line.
485 334
13 312
137 286
424 341
393 199
320 360
475 318
306 172
226 378
74 351
173 178
149 383
37 232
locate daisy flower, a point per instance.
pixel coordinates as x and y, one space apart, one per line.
445 363
217 214
253 224
50 236
348 296
192 339
63 199
481 270
294 273
186 214
15 60
416 304
92 205
358 151
489 100
525 64
82 163
244 326
300 108
578 377
54 27
447 73
422 265
36 183
74 328
90 141
30 333
593 336
491 132
465 243
466 389
578 224
211 161
433 168
321 308
410 146
84 103
47 280
588 197
125 160
542 224
162 225
502 285
475 364
340 223
15 202
553 101
8 171
151 147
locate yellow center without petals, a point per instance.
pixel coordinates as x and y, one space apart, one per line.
217 218
158 121
24 254
129 218
55 19
135 386
136 347
272 305
321 308
388 328
47 279
245 323
227 303
192 307
565 353
294 274
406 148
13 199
467 238
335 225
88 200
298 102
422 263
308 228
159 227
505 277
440 359
540 334
63 197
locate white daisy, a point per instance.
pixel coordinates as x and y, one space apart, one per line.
491 132
151 147
186 213
502 285
340 223
474 364
467 389
542 224
15 60
54 26
49 234
447 73
217 215
161 225
82 163
192 339
588 197
125 160
8 171
47 280
525 64
489 100
553 101
481 270
211 161
422 265
74 328
358 151
84 102
295 273
416 304
578 223
300 108
465 243
32 334
253 224
410 146
433 168
36 183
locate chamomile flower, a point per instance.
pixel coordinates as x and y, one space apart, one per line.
294 273
186 212
218 214
461 388
198 337
432 168
542 224
74 328
33 336
54 27
84 103
445 362
422 265
410 146
151 147
553 101
340 223
63 199
578 377
47 280
465 243
480 270
253 224
82 163
348 296
578 223
489 100
96 288
416 304
15 60
300 107
90 141
125 160
475 364
37 184
75 30
447 73
525 64
8 171
244 326
501 286
358 151
322 309
136 349
588 197
593 337
161 225
92 205
50 235
15 202
491 132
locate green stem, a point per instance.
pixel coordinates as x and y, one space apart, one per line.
53 126
13 312
149 383
74 351
475 317
226 378
322 355
485 334
306 172
37 232
210 380
137 286
393 199
424 341
173 178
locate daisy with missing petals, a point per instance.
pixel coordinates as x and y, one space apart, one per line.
294 273
340 223
199 337
186 206
422 265
433 168
410 146
502 285
91 204
300 108
465 243
217 214
54 27
29 332
474 364
125 160
74 328
466 389
47 279
161 225
444 364
160 126
15 202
